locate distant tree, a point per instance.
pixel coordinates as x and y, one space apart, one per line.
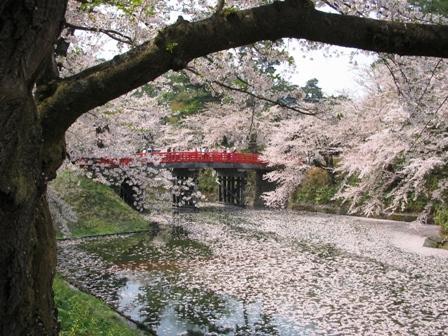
183 97
432 6
313 93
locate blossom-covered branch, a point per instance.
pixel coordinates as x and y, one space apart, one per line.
178 44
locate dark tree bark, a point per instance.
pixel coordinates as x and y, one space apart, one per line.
32 128
27 242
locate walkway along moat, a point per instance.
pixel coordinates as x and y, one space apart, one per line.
248 272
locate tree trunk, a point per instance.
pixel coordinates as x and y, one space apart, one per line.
27 241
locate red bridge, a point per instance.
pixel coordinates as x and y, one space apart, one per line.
185 166
173 160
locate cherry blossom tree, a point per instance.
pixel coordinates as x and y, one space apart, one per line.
406 143
390 143
38 104
298 142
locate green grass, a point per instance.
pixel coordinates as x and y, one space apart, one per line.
441 218
100 210
316 188
81 314
207 185
141 248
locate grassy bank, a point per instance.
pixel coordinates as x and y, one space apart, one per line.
81 314
317 188
317 194
99 209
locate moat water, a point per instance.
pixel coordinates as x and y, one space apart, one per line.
249 272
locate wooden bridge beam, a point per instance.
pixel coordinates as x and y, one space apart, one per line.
232 184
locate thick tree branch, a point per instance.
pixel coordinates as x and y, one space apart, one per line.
178 44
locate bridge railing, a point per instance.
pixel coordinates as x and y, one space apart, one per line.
206 157
174 157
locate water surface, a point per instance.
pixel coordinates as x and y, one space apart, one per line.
250 272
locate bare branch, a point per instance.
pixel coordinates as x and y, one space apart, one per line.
419 136
252 119
399 66
433 73
397 85
256 96
333 6
113 34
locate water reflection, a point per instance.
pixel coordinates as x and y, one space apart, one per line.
145 274
129 299
156 301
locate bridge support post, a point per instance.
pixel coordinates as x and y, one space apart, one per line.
232 185
185 185
132 193
262 186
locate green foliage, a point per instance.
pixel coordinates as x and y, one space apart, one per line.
229 10
126 6
282 85
141 249
316 188
432 6
184 98
441 218
416 204
81 314
313 93
241 84
208 185
171 46
148 89
319 195
100 210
